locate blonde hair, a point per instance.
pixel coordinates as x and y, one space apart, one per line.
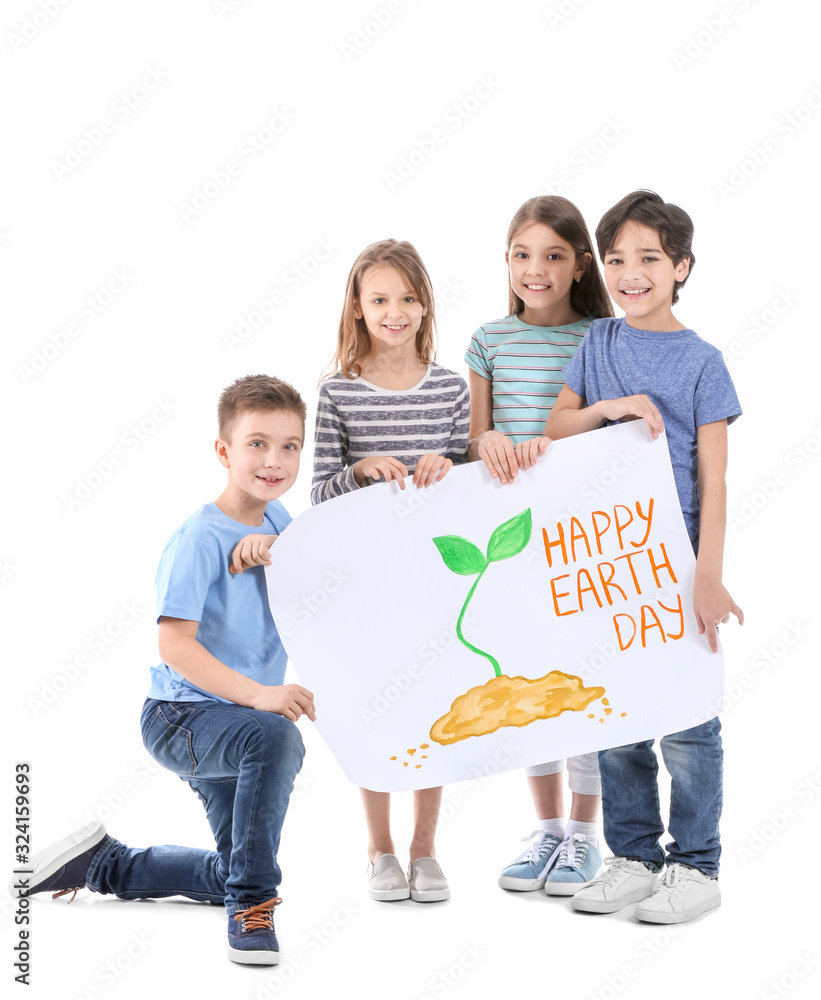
353 341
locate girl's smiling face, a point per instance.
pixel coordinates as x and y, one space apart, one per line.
542 268
391 309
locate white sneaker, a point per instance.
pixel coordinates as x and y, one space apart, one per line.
426 881
622 882
684 894
386 880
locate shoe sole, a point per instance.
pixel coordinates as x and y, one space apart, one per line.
53 858
253 957
429 895
609 905
521 884
649 917
385 895
564 888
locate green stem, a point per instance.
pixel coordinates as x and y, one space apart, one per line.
459 632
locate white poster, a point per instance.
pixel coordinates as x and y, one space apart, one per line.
472 627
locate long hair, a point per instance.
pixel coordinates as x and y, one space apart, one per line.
588 296
353 341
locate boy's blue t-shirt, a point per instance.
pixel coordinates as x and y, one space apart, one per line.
193 583
682 374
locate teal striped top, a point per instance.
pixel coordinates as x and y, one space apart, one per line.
524 364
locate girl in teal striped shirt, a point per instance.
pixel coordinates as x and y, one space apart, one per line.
516 365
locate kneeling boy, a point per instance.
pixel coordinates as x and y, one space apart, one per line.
217 713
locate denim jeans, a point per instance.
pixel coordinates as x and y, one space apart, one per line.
630 799
242 764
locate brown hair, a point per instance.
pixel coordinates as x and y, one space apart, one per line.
353 341
256 392
588 296
673 225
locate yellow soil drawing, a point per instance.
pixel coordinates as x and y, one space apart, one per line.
512 701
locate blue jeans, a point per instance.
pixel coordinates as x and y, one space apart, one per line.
242 764
630 799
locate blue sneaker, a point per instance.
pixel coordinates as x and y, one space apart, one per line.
577 865
251 936
63 867
529 870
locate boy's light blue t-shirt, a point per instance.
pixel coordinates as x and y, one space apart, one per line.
682 374
193 583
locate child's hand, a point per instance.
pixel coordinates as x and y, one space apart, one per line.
633 408
712 605
253 550
430 468
497 452
528 451
289 700
379 466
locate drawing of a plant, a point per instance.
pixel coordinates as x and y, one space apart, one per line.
463 557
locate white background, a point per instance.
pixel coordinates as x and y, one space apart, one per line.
593 102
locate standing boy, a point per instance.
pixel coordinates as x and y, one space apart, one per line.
649 366
217 714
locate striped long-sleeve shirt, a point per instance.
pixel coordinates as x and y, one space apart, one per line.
524 364
356 419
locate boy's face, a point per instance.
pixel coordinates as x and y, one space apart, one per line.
641 277
262 456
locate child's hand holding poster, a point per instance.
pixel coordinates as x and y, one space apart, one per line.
505 625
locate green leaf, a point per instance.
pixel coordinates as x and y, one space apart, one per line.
460 555
510 538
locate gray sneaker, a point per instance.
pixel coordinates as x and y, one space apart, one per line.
426 881
386 880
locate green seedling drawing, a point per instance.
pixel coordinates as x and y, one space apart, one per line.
463 557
